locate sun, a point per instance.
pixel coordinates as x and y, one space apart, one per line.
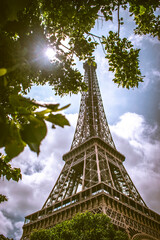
50 53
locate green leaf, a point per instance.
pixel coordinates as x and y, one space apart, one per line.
58 119
142 10
15 174
7 171
4 134
33 133
3 198
62 108
53 107
3 71
42 113
14 144
14 147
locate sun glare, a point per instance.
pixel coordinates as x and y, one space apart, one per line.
50 53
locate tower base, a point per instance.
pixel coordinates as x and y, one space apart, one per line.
138 221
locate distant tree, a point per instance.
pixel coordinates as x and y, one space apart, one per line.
27 28
84 226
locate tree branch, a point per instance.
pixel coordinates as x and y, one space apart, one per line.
94 35
118 20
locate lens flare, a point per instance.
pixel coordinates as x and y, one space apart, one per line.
50 53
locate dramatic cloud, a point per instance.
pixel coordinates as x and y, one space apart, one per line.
5 224
133 137
38 177
136 140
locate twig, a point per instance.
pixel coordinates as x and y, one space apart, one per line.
118 20
94 35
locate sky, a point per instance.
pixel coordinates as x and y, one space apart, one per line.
134 120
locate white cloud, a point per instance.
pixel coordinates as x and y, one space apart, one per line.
38 177
153 40
5 224
137 40
135 139
18 226
128 125
156 73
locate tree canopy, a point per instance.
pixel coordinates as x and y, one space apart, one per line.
27 28
87 226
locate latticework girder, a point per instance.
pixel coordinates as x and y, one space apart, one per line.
93 164
94 177
92 120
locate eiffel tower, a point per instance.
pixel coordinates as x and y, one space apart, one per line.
94 178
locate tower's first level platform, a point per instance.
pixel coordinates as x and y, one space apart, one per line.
139 221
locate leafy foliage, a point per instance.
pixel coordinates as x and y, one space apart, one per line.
26 125
145 17
7 171
123 60
41 234
86 226
2 237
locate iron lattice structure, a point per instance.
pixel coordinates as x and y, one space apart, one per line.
94 178
92 119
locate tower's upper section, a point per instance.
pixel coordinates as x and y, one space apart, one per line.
91 120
